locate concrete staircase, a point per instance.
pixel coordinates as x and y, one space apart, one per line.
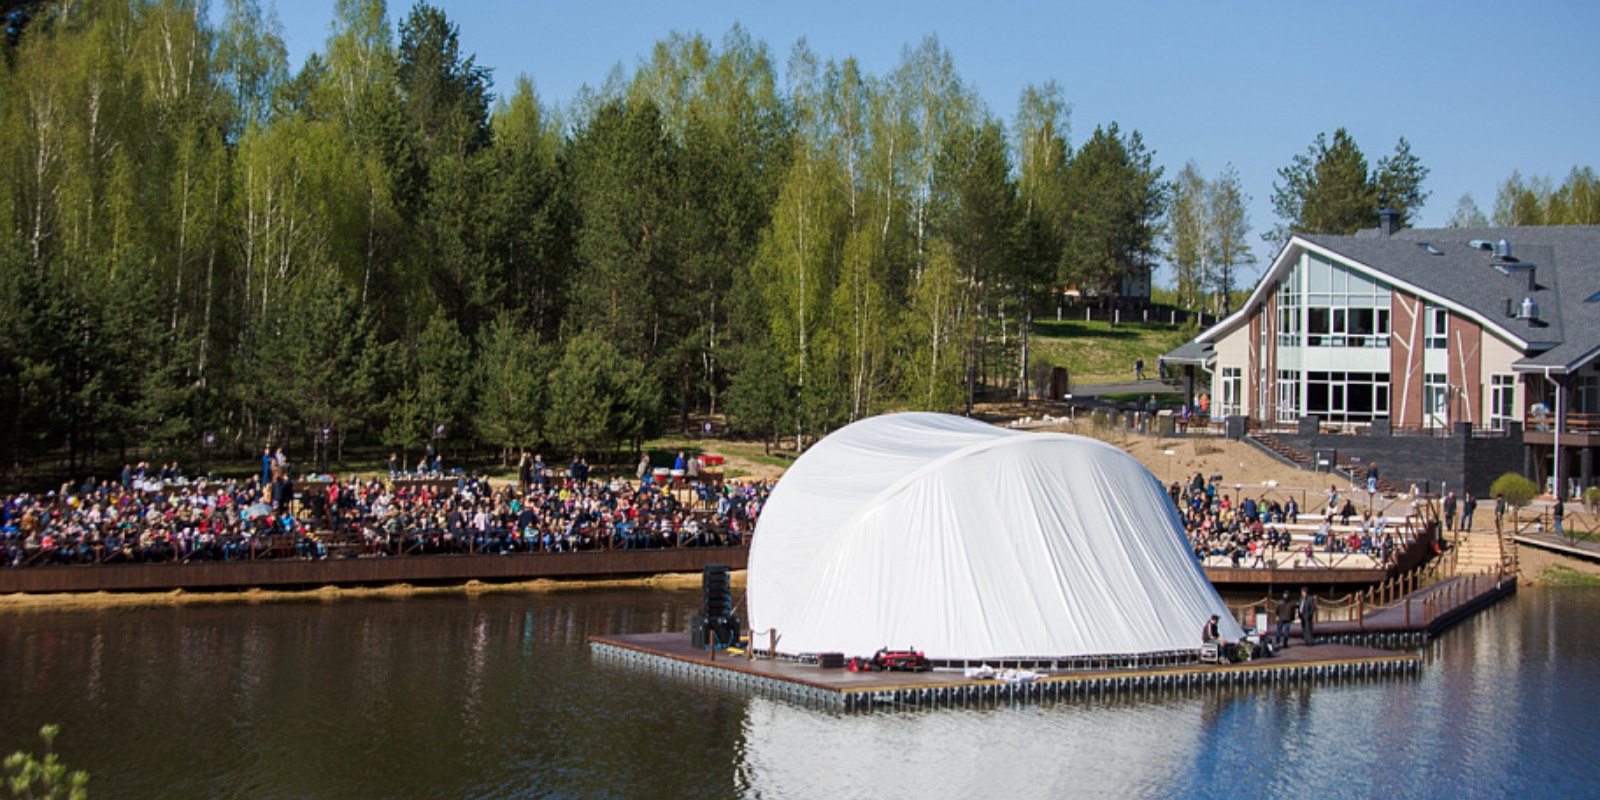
1352 470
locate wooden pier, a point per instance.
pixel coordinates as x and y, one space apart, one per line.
1402 612
1407 614
673 654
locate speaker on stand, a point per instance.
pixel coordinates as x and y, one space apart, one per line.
715 625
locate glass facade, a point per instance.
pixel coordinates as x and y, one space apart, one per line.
1333 342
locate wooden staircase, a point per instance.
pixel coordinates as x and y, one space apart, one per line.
1479 550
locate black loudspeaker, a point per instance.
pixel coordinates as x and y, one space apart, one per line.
717 600
699 633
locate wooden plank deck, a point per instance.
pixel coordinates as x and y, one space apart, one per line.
674 653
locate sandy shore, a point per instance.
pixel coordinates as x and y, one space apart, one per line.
94 601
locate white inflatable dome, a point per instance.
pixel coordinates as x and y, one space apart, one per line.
969 541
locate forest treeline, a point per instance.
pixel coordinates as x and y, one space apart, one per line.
198 239
376 243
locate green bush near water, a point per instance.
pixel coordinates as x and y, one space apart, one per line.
35 778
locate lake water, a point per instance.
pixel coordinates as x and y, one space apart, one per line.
496 696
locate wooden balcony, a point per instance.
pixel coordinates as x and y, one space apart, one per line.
1581 430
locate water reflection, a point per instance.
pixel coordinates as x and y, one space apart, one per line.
496 696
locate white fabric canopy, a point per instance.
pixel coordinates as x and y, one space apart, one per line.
969 541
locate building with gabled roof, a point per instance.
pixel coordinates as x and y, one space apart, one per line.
1436 333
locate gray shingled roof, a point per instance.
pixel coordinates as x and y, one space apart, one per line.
1191 352
1565 261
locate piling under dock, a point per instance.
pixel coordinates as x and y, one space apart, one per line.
674 654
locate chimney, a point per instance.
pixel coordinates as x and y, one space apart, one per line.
1532 285
1388 221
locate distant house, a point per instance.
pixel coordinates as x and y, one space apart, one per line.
1446 332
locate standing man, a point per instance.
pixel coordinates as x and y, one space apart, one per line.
1285 615
1558 514
1308 616
1372 478
266 467
1469 504
1450 511
1138 369
1499 511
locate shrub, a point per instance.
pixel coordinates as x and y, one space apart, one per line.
27 775
1518 491
1591 498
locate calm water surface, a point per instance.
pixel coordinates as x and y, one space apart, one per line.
497 697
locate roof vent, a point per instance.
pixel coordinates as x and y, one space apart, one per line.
1530 310
1502 249
1432 251
1511 310
1481 244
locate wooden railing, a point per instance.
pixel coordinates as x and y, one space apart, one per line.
1459 592
1575 422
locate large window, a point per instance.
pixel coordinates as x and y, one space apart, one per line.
1343 308
1289 314
1438 329
1232 392
1347 396
1347 327
1502 401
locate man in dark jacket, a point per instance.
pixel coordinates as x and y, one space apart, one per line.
1285 616
1308 616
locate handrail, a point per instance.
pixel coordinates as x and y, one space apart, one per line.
1573 422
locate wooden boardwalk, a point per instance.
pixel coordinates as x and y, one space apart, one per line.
1418 615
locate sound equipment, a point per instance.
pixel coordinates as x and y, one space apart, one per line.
715 625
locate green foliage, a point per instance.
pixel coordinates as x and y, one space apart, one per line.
375 242
444 375
1096 352
1534 201
513 372
599 397
761 398
1517 490
1467 214
1118 199
1591 498
44 778
1329 189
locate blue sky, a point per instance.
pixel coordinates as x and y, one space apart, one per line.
1479 89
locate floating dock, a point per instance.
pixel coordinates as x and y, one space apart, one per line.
1344 651
808 684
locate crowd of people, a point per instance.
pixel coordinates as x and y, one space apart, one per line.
1259 532
160 515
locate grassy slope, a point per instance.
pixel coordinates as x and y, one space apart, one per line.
1095 352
